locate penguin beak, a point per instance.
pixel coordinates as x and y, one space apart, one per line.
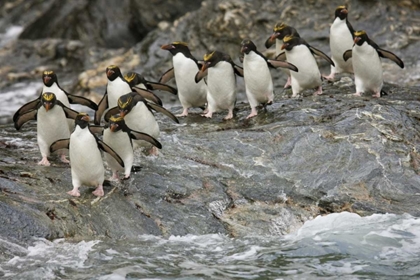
344 11
167 47
356 39
47 106
109 72
284 46
46 79
271 40
244 49
86 118
113 127
123 113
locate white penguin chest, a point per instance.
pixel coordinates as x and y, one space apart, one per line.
257 75
221 79
51 125
59 93
308 75
141 119
367 68
341 40
115 89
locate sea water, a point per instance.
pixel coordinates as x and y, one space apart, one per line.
335 246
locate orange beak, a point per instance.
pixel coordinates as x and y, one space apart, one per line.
86 118
109 72
123 113
48 106
356 39
113 127
166 47
46 79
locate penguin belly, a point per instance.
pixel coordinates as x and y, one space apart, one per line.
308 76
221 85
119 141
62 97
87 167
190 93
258 81
50 128
141 119
367 69
341 40
115 89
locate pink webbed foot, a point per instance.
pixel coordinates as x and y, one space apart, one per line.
330 77
114 177
64 159
208 115
253 113
377 95
184 113
74 192
357 94
99 191
288 82
153 151
229 115
318 91
44 161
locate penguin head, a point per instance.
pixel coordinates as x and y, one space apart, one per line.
280 30
116 123
360 37
247 46
176 47
113 72
289 42
82 120
134 79
49 78
48 100
341 12
127 102
212 58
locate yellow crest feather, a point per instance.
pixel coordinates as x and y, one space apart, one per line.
48 96
279 26
359 33
129 78
116 118
48 72
122 104
287 38
180 43
208 56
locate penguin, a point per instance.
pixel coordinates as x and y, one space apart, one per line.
185 66
341 39
281 30
50 81
367 64
257 76
221 82
300 53
87 167
51 116
137 113
119 136
117 86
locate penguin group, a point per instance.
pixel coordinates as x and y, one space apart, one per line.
209 83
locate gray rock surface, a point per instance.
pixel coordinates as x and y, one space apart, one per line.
264 176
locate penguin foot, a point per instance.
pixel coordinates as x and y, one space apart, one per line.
229 115
114 177
318 91
377 95
330 77
357 94
99 191
288 83
74 192
208 115
253 113
44 161
183 114
64 159
126 177
153 151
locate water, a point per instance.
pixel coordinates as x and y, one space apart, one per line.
344 246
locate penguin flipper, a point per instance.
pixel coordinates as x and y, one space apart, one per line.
111 112
22 119
200 75
96 129
347 55
158 108
102 106
238 70
104 147
32 105
281 56
391 56
148 95
282 64
167 76
160 86
269 42
70 113
74 99
137 135
321 54
60 144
